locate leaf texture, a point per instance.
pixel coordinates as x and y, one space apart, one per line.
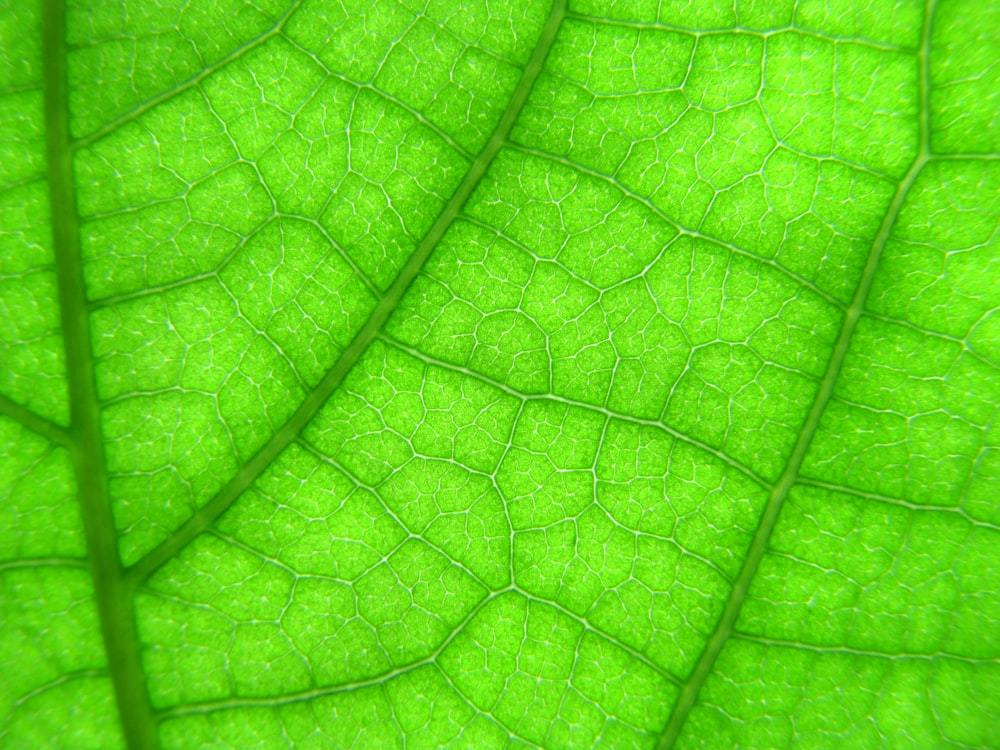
500 374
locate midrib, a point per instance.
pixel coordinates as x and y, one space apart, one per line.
85 441
769 518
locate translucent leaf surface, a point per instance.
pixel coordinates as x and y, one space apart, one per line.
499 374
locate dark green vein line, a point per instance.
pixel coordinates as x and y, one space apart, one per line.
315 400
86 445
769 518
45 428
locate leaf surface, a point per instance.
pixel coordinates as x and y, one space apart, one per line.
499 374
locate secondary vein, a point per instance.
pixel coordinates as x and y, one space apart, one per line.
50 430
769 518
86 445
333 378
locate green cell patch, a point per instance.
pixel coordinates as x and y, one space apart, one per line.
707 15
415 600
461 89
829 244
162 199
22 134
355 38
107 79
432 714
361 717
777 696
294 631
548 681
158 156
852 573
652 483
819 100
31 345
55 665
209 392
603 89
652 350
349 38
458 512
964 79
55 711
21 52
898 24
937 268
303 154
313 519
399 175
536 330
393 405
547 475
599 131
910 418
725 71
747 382
703 153
263 93
584 223
39 516
294 286
642 590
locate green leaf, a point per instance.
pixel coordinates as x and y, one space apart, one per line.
498 374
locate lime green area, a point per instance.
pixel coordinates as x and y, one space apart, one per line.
499 374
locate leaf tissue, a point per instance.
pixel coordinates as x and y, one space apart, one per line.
499 374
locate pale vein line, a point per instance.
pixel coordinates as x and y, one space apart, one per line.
512 586
387 97
884 499
49 430
376 491
680 228
727 622
846 650
579 404
331 381
742 31
114 606
54 683
344 687
966 348
487 713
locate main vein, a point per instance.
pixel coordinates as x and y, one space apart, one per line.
769 518
333 378
85 441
